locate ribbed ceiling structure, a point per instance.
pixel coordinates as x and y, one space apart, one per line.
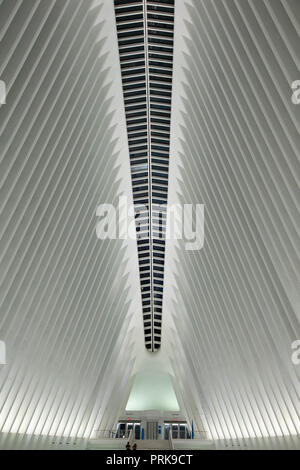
70 304
64 298
236 302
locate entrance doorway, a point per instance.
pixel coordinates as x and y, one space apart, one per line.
124 428
178 430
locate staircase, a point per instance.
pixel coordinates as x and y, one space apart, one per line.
153 445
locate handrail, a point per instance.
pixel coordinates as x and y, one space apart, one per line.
105 433
171 440
131 437
202 434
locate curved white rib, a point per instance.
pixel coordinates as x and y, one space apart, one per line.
237 300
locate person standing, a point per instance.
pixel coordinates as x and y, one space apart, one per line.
128 446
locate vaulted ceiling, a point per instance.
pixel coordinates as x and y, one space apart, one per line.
71 311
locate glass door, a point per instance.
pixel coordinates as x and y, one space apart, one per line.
137 431
174 431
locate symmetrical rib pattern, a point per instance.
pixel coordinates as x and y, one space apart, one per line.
145 30
69 308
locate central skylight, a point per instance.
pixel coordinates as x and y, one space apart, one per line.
145 31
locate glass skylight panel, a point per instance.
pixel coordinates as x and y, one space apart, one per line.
145 30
